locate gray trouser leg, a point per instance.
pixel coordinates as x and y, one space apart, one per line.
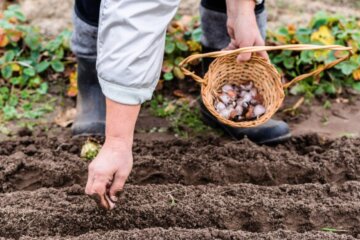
215 31
84 39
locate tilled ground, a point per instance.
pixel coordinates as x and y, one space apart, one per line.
185 189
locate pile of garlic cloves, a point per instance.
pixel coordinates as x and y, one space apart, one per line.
240 103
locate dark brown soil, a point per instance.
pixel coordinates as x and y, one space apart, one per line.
204 188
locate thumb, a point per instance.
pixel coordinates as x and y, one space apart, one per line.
117 186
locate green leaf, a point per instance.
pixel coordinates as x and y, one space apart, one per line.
169 47
9 56
24 94
330 88
32 40
43 88
57 66
4 91
41 67
59 53
289 62
20 16
178 60
182 46
29 72
15 80
319 91
35 82
356 86
6 71
10 113
306 57
13 100
347 67
196 35
278 59
168 76
298 89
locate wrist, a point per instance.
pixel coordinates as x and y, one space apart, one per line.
236 8
119 143
246 6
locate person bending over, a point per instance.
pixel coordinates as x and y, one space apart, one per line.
119 45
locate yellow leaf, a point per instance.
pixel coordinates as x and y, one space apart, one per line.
281 38
4 40
73 89
354 45
292 29
14 35
323 35
340 54
13 20
356 75
321 55
15 67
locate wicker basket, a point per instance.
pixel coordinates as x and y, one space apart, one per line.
225 70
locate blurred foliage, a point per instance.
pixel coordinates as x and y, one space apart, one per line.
27 63
182 39
323 29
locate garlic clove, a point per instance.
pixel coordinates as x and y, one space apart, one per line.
253 102
259 110
219 106
248 86
239 109
233 114
226 88
225 98
247 97
232 94
253 92
225 113
250 113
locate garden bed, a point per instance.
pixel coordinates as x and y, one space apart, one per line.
202 188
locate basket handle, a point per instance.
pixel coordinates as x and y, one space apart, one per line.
291 47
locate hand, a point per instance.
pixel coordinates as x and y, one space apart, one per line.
108 172
243 29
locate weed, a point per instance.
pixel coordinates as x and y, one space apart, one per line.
323 29
184 118
26 64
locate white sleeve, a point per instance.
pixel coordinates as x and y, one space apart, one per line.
131 42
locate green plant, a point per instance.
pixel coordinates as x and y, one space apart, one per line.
184 118
332 230
182 39
90 150
27 62
323 29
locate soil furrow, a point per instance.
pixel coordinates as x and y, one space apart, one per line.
198 234
67 212
29 164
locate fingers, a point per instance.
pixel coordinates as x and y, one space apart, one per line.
96 189
243 57
98 192
260 42
232 45
117 186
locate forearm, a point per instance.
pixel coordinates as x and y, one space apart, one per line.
120 123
